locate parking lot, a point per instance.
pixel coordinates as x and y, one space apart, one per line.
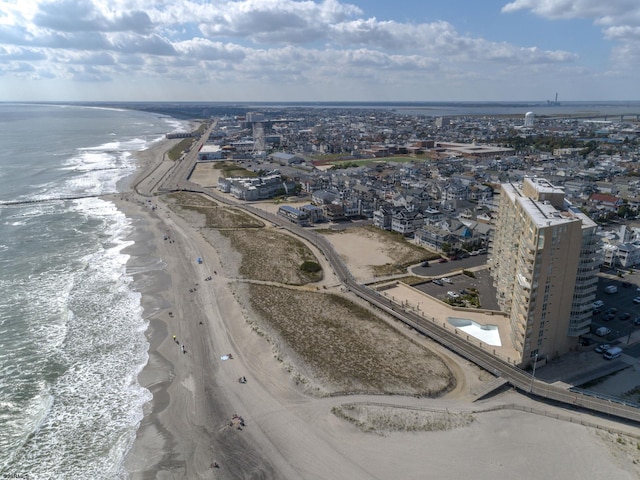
481 281
621 301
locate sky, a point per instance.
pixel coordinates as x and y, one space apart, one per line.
319 50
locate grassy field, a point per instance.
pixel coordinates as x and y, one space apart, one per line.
272 256
180 147
214 216
230 170
346 346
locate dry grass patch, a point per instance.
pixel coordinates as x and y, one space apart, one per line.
344 347
229 217
186 199
384 419
183 145
232 170
214 216
273 256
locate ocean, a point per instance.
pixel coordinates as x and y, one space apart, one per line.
72 329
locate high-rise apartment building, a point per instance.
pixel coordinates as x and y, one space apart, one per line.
544 260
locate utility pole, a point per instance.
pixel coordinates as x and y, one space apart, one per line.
533 374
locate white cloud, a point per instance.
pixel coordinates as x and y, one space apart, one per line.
619 20
84 16
280 41
603 12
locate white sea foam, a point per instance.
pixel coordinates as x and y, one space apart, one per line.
98 402
72 336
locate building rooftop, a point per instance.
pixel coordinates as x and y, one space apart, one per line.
543 213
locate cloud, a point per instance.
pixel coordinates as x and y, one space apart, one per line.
610 12
203 49
21 54
281 41
85 16
624 33
619 20
275 21
149 44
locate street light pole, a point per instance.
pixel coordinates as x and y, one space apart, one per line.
533 374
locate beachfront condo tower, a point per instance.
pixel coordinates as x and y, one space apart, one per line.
544 263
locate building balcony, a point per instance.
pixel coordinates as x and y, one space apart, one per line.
579 327
523 282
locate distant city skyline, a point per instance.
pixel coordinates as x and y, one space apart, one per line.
285 50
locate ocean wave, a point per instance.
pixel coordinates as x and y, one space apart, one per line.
79 366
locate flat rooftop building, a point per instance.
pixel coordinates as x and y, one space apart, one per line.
544 263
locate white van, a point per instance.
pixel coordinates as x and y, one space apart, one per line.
612 353
603 331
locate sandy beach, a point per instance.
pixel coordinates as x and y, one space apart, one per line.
269 428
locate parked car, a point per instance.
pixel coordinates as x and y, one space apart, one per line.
437 281
609 317
611 289
443 260
603 331
636 300
447 280
612 311
598 304
612 353
596 311
453 294
603 347
625 316
626 284
636 321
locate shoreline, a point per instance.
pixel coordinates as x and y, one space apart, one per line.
188 424
154 284
184 429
